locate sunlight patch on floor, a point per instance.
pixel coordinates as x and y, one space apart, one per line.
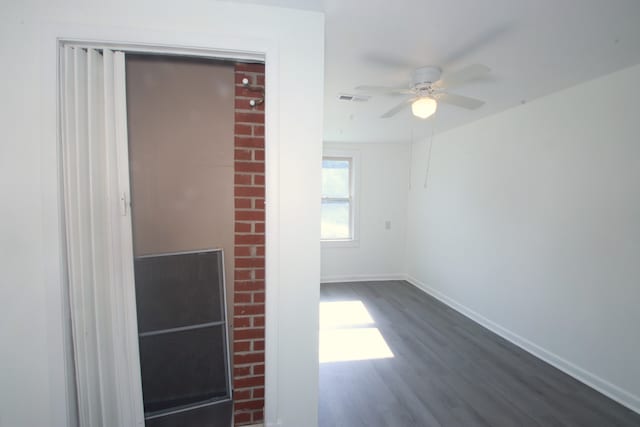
347 333
341 314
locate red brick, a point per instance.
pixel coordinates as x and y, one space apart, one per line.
241 322
258 296
249 285
258 321
250 404
258 393
258 345
250 240
243 104
258 155
258 130
258 227
249 215
241 418
240 74
242 95
249 262
254 78
243 129
248 167
258 179
249 67
242 251
242 275
259 249
242 394
258 416
259 274
242 227
242 191
249 142
248 309
243 203
247 359
243 179
256 381
244 92
253 116
258 369
243 154
248 334
239 297
258 204
241 346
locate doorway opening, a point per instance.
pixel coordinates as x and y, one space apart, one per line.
158 211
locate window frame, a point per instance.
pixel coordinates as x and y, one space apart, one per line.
353 158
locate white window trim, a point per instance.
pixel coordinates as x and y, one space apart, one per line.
354 157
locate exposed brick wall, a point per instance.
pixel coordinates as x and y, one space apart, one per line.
249 287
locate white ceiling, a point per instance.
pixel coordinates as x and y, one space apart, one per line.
534 47
317 5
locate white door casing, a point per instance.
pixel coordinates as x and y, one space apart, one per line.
97 220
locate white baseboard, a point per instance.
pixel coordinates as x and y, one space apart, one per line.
610 390
363 278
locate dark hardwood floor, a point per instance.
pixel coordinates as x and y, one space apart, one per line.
448 371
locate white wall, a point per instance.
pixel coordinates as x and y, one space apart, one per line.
531 220
32 379
382 180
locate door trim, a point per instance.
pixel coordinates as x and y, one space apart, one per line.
216 48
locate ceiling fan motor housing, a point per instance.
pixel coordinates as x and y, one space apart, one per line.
423 77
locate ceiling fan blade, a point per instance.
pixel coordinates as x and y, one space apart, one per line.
383 90
459 100
472 72
477 43
386 60
395 110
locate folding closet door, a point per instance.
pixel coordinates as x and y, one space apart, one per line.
98 229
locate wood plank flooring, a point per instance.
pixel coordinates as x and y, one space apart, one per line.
449 371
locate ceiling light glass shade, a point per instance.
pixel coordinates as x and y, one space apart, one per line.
424 107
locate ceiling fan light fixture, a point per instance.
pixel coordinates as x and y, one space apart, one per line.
424 107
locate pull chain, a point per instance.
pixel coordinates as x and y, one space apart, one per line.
430 146
411 158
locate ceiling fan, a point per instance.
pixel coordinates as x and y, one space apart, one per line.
429 87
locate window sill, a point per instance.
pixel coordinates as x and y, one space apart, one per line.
346 243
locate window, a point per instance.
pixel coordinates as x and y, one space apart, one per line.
337 199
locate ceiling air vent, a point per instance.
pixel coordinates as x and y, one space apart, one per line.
353 98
